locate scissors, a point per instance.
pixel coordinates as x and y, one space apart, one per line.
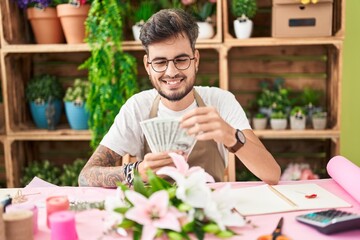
276 234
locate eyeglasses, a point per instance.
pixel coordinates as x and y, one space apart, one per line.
181 63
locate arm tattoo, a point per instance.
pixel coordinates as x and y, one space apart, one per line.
101 169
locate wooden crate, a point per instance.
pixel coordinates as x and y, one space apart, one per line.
262 20
57 152
313 67
2 166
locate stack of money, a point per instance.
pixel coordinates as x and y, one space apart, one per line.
165 134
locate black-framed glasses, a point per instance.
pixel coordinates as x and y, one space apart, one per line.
181 63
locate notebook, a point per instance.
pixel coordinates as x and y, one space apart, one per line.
265 199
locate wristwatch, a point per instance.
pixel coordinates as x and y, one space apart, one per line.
240 141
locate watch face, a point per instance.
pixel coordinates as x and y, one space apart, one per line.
240 136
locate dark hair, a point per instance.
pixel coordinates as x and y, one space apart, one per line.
169 23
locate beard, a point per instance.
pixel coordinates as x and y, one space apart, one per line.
175 95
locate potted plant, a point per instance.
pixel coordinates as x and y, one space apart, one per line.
72 14
297 118
44 20
259 121
141 14
201 10
275 98
319 120
112 72
243 10
278 120
44 94
310 99
75 99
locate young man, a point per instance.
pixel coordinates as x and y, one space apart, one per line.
212 114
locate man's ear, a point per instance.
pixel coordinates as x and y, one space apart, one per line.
146 65
197 59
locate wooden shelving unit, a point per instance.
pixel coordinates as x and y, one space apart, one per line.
223 62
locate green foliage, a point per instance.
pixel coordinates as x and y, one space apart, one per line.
259 115
298 111
70 173
42 88
46 170
112 73
278 115
79 92
319 114
276 98
244 8
310 97
145 10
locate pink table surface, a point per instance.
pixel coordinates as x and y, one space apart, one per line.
90 224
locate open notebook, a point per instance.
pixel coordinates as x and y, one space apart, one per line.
266 199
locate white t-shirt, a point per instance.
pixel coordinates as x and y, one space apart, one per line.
125 135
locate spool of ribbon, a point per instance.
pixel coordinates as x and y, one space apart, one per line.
345 173
62 226
26 206
55 204
18 225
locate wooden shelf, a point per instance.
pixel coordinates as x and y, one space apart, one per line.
47 135
298 134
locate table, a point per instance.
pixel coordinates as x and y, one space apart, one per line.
90 224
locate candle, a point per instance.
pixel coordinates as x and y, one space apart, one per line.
18 225
62 226
26 206
55 204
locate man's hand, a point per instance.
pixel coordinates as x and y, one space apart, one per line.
206 124
154 161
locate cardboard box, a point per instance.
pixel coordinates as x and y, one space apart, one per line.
290 18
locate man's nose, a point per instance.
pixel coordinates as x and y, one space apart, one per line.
171 69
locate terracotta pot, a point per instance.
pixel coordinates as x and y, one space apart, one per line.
45 25
73 21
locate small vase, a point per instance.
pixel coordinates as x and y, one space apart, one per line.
45 25
136 31
206 30
46 115
77 115
297 124
278 124
319 123
243 28
259 123
73 21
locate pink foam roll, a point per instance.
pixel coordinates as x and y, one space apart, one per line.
346 174
56 204
63 226
26 206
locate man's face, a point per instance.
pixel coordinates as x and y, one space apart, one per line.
172 84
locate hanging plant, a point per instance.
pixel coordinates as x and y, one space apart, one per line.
112 73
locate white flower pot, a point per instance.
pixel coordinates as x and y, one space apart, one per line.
297 124
319 123
206 30
278 124
243 28
136 31
259 123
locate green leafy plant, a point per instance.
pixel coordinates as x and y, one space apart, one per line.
277 98
112 73
259 115
70 173
144 11
244 8
310 97
41 88
278 115
78 92
319 115
298 112
45 170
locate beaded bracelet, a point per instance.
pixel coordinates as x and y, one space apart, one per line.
129 172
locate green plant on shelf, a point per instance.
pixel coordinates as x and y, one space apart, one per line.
244 9
78 93
259 115
144 11
278 115
44 87
298 112
70 173
45 170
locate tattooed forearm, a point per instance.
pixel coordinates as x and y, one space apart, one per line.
101 169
